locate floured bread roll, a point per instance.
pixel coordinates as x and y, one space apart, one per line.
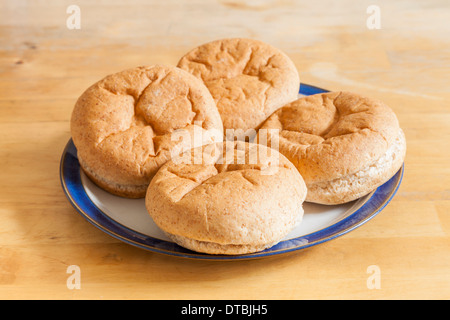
227 198
247 78
123 125
343 144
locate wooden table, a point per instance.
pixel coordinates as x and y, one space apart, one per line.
45 65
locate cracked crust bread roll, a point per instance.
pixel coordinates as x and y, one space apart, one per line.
343 144
227 198
122 126
247 78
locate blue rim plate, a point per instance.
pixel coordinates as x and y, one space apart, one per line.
365 209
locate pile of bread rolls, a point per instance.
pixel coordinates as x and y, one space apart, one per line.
225 151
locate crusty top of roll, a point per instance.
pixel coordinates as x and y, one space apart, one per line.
122 125
227 198
248 79
331 135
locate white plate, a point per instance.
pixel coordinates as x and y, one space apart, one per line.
128 220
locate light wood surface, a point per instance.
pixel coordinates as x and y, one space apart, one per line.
45 66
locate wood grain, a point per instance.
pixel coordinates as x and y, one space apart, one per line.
44 67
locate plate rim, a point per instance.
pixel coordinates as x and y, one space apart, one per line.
363 214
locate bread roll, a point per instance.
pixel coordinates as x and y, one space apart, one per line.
227 198
248 79
123 125
344 145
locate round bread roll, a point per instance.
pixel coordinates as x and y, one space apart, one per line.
123 126
227 198
247 78
343 144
